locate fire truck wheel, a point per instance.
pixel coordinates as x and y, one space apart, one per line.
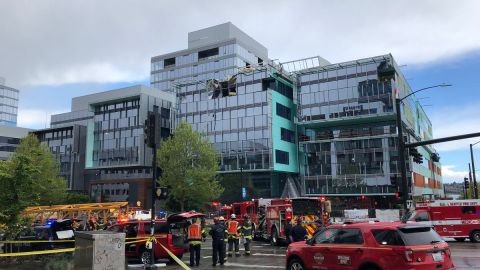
475 236
274 237
460 239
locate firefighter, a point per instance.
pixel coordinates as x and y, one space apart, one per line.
288 231
299 233
233 236
247 233
218 241
195 242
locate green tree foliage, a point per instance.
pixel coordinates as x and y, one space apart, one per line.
29 177
189 164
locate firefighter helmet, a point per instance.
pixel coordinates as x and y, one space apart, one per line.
233 216
221 219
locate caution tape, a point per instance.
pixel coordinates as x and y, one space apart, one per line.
35 241
136 241
175 258
41 252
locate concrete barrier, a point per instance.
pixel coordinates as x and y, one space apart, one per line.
99 250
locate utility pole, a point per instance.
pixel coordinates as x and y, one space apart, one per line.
475 187
469 180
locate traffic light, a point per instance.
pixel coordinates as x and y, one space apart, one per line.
466 183
435 157
397 195
162 193
151 129
417 157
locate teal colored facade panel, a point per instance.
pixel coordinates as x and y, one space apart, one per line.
89 145
279 122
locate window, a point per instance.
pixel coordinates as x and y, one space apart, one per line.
282 157
284 111
207 53
287 135
388 237
348 236
169 62
326 237
284 90
415 236
468 210
422 216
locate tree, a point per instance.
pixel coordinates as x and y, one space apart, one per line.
29 177
189 166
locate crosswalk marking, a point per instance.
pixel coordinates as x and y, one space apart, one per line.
254 266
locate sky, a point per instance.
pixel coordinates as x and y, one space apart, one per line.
54 50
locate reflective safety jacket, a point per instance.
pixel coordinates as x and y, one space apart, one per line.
232 228
247 230
195 232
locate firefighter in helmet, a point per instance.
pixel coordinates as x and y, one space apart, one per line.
233 236
247 233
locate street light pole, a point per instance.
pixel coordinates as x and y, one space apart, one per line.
475 188
401 143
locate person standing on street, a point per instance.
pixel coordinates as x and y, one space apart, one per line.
288 231
299 233
195 242
218 245
233 236
247 233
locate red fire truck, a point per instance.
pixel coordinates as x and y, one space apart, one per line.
458 219
270 216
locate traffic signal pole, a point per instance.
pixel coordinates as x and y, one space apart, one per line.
401 156
152 142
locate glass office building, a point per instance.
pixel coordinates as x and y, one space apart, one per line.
115 162
331 126
348 143
8 104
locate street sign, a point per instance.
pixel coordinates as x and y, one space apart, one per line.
409 204
244 193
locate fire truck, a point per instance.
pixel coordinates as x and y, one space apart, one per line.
458 219
270 216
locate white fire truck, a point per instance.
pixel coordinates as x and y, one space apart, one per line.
458 219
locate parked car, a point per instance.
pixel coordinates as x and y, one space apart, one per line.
372 246
171 233
51 231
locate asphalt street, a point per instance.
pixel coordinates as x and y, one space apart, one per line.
264 256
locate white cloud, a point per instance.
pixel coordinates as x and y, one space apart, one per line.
449 174
450 121
55 42
35 118
93 73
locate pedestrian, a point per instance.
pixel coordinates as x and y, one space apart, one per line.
299 233
247 233
288 231
233 236
218 241
195 242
